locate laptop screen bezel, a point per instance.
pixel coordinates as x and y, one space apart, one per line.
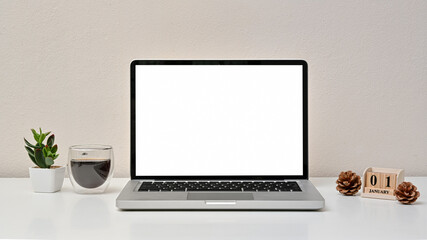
218 62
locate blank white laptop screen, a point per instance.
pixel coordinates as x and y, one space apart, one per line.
201 120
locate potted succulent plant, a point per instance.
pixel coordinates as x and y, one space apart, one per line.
45 177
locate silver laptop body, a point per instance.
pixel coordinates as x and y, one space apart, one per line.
219 135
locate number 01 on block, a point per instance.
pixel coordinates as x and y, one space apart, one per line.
381 182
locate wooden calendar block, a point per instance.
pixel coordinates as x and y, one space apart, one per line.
366 181
373 180
381 182
388 180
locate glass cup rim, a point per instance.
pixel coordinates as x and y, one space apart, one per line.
90 147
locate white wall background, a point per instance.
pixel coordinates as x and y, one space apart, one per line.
64 66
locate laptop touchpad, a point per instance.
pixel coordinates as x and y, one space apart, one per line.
220 196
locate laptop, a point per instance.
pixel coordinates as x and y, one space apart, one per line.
219 135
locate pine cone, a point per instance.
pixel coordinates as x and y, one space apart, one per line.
406 193
348 183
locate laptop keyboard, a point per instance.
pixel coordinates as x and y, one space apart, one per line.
231 186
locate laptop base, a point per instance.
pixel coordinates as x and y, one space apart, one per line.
308 199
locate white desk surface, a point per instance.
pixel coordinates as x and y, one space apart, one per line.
67 215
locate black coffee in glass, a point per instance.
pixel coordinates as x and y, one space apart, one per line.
90 173
90 167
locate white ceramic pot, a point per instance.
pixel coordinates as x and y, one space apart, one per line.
47 180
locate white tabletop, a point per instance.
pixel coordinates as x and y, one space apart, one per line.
65 214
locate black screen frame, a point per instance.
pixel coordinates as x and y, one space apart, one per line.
303 63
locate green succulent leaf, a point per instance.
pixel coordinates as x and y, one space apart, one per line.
39 158
31 154
36 135
29 144
51 140
32 159
54 148
45 151
55 156
49 161
29 150
42 137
